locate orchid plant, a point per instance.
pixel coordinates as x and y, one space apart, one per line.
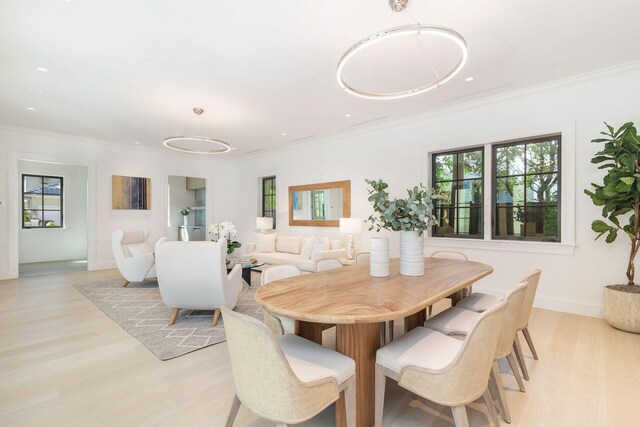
226 230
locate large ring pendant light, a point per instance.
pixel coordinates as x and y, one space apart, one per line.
197 144
406 30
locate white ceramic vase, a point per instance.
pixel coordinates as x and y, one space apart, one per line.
379 257
411 253
185 220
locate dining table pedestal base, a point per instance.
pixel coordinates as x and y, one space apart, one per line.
360 342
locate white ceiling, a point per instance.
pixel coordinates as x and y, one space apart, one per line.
132 70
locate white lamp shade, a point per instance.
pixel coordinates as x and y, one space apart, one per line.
350 225
264 223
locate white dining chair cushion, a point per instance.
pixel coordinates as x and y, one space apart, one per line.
310 361
419 347
453 320
478 302
136 249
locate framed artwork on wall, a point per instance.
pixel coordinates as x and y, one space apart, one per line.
130 193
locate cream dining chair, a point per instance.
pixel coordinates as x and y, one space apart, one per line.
480 302
458 321
278 324
327 264
286 379
443 369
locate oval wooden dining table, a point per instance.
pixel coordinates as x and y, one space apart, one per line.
357 303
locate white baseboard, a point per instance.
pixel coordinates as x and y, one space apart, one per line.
565 305
106 265
8 275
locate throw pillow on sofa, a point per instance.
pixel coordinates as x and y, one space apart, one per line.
266 242
307 247
288 244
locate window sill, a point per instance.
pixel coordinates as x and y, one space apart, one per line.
502 245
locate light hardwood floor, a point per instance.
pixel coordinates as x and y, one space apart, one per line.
65 363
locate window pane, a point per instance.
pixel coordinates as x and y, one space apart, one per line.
444 167
510 190
469 221
445 187
542 188
542 157
509 160
31 218
52 218
446 216
541 222
472 162
509 221
469 192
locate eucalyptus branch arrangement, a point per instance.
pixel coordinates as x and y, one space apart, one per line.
185 211
619 193
415 213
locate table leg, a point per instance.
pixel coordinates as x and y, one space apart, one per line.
359 342
415 320
246 275
310 331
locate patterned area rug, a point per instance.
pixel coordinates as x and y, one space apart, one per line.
139 310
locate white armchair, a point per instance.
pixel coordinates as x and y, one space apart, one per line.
193 275
133 255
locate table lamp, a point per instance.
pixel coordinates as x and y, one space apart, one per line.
350 226
264 223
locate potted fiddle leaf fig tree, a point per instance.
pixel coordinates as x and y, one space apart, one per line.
619 196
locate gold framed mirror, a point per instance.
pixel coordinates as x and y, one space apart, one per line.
319 205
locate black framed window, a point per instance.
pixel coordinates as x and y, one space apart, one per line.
460 175
269 198
42 201
526 189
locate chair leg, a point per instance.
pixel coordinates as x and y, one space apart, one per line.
350 402
429 312
516 372
174 316
233 412
518 350
216 315
460 416
502 399
527 336
391 330
492 409
126 283
381 382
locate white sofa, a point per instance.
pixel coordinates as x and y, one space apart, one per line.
300 251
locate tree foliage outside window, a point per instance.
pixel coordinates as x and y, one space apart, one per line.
459 175
526 190
42 201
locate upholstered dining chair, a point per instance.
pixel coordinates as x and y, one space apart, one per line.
193 275
133 255
278 324
327 264
363 258
458 321
464 292
442 369
285 379
480 302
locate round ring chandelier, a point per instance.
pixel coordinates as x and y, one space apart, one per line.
197 144
406 30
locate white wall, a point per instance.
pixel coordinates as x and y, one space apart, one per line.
572 280
103 159
54 244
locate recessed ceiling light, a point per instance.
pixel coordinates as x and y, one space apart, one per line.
44 70
233 148
138 143
283 134
468 79
31 109
347 115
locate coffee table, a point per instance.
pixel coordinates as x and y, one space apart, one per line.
247 269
